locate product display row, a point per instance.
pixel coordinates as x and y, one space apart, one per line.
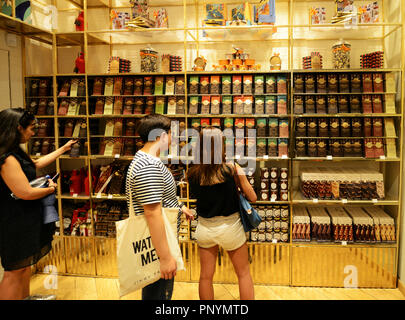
350 224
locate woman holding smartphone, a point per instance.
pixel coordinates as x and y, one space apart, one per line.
24 239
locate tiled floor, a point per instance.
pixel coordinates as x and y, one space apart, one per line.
87 288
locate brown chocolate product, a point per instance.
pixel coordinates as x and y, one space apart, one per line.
298 105
299 83
264 195
248 105
281 84
283 195
272 147
261 127
321 81
261 147
377 127
369 148
265 184
270 105
357 127
378 82
367 103
368 127
226 84
343 104
355 104
271 84
273 127
301 128
312 124
283 173
259 105
345 127
180 107
332 83
323 127
238 105
283 184
336 148
377 104
312 148
194 84
320 104
355 80
379 148
332 104
357 148
138 86
274 184
264 173
204 85
259 84
344 83
300 147
310 83
367 82
347 148
309 104
148 86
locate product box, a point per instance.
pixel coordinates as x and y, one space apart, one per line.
216 122
248 104
391 148
228 123
180 85
193 84
138 86
128 106
332 83
138 107
215 104
378 82
310 83
367 103
345 124
282 147
309 104
301 127
226 84
377 104
150 103
282 105
344 83
283 128
215 14
237 84
259 84
281 84
148 86
332 104
355 81
298 105
271 84
343 104
378 127
300 148
321 81
238 105
355 104
205 104
367 82
272 147
215 85
261 148
98 110
128 86
368 124
196 123
194 105
270 105
389 103
320 104
204 85
261 127
323 127
299 83
226 104
160 106
273 127
180 105
109 87
205 122
312 127
247 84
357 127
169 89
159 82
390 83
259 104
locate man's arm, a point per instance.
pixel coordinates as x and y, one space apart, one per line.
153 215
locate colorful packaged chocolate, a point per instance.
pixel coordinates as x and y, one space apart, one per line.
300 148
205 104
215 104
159 81
357 127
355 80
310 83
368 123
345 127
282 105
332 104
228 123
309 104
273 127
180 105
215 85
378 82
204 84
323 127
367 103
270 105
196 123
320 104
160 105
283 128
282 147
248 104
378 127
194 105
226 104
272 147
138 86
215 14
259 104
226 84
344 83
128 87
180 86
321 81
301 127
259 84
343 104
271 84
193 85
355 104
312 127
238 105
332 83
281 84
148 85
261 127
367 82
261 147
237 84
247 84
138 108
377 104
299 83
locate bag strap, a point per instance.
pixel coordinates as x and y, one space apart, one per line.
131 210
236 179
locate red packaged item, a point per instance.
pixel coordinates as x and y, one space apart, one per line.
378 148
367 103
378 82
205 122
75 183
377 127
282 105
369 148
377 104
204 85
205 104
367 82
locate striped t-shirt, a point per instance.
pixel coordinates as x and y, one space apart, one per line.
150 181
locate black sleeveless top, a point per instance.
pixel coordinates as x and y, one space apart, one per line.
219 199
24 239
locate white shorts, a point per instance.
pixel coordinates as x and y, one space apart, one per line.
224 231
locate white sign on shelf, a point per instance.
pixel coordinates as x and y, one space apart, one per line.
274 241
329 158
375 200
117 156
75 195
98 196
315 200
344 243
344 200
110 196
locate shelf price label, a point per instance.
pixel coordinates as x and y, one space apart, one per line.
382 157
344 200
344 243
117 156
284 156
266 157
110 196
98 196
315 200
329 158
274 241
75 195
375 200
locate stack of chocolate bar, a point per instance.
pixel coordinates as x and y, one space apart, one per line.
176 64
301 225
374 60
384 225
320 224
342 224
363 225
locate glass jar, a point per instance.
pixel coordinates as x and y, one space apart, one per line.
341 55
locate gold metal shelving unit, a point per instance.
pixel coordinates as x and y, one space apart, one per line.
291 263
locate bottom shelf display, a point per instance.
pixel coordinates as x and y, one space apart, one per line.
336 224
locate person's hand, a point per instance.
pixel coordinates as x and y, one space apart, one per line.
168 268
189 214
69 145
53 185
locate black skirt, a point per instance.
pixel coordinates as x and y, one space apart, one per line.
24 239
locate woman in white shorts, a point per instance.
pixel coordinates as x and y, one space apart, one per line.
213 184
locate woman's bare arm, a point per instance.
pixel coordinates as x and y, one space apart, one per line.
244 184
17 181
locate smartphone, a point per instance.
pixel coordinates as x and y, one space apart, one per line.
55 178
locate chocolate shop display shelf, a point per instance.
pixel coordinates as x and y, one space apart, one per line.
328 147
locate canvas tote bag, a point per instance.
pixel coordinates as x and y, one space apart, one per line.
138 263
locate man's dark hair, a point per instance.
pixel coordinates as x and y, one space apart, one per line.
152 122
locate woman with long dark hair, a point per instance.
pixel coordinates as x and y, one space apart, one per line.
24 239
214 183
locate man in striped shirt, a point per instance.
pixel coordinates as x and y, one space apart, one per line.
152 185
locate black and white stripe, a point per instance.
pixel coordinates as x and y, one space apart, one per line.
150 181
